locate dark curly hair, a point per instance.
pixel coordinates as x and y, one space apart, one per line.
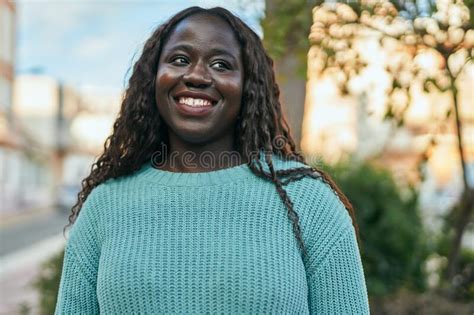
139 131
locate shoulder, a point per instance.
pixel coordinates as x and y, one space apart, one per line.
313 196
86 230
323 216
110 188
281 163
98 194
108 195
317 199
98 202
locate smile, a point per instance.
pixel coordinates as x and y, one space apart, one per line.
189 106
194 102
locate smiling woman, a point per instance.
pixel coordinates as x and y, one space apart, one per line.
199 83
200 202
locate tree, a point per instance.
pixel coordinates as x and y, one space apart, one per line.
416 25
287 24
445 32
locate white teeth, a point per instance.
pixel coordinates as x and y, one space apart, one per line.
194 102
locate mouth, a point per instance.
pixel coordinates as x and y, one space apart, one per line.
194 102
196 107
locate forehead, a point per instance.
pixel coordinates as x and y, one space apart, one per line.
203 30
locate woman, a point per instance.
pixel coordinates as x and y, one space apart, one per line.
200 202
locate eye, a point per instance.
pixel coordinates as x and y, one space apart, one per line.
181 59
222 66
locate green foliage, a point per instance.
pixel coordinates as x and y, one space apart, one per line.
462 287
24 309
393 243
286 27
470 5
47 283
287 24
464 281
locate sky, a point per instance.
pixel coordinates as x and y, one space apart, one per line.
94 43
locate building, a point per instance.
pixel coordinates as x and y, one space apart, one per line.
21 175
7 53
8 141
58 152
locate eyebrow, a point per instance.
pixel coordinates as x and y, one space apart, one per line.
214 51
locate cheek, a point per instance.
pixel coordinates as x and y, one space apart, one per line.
233 95
164 80
232 89
166 77
163 84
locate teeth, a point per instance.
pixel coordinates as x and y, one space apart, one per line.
194 102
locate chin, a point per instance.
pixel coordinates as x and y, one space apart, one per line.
195 136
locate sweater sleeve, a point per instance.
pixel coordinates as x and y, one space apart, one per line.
77 290
335 275
337 286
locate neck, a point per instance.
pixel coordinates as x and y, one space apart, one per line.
189 157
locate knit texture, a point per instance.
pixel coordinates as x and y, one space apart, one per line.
158 242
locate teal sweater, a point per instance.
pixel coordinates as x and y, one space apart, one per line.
158 242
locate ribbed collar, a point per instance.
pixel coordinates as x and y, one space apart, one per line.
232 174
227 175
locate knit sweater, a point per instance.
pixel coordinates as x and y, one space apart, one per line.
159 242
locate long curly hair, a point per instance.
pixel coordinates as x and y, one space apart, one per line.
139 131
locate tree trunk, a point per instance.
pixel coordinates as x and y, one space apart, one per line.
293 90
462 213
292 85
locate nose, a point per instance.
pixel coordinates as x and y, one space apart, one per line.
197 76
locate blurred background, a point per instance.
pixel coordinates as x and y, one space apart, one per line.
379 93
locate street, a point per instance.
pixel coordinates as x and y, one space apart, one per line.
25 244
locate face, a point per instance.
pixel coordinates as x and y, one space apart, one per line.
199 80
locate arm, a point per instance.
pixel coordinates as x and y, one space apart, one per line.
334 271
337 285
77 291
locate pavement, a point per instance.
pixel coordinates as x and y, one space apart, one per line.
26 241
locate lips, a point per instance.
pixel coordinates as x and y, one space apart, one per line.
194 111
194 102
196 95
